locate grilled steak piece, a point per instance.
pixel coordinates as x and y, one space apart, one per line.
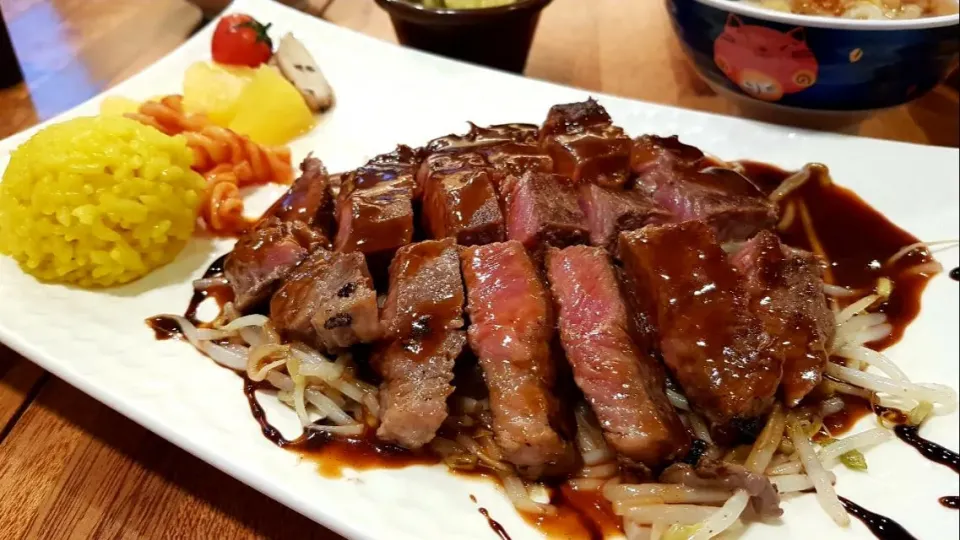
585 145
328 301
610 211
624 386
786 291
714 346
441 164
510 332
308 200
416 384
398 167
422 317
542 210
375 220
724 199
508 149
264 256
649 152
463 205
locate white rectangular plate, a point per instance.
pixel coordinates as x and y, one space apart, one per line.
97 341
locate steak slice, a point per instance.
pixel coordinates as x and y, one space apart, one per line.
610 211
398 167
511 330
463 205
375 220
714 346
422 317
264 256
309 198
624 386
786 291
542 210
724 199
328 301
416 383
585 145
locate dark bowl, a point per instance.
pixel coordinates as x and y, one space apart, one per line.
499 37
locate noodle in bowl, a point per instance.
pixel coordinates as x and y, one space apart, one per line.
777 62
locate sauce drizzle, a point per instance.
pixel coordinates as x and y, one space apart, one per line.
952 502
930 450
882 527
494 525
955 274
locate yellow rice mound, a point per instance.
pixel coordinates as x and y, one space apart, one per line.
98 201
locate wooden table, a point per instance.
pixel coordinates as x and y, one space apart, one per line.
69 466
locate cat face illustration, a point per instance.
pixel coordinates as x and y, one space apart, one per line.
763 62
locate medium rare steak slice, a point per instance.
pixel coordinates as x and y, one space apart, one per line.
624 386
610 211
672 174
510 332
714 346
585 145
308 200
463 205
542 210
264 256
375 220
422 317
786 291
328 301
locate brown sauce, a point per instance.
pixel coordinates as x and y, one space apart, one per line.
882 527
855 408
494 525
222 294
955 274
952 502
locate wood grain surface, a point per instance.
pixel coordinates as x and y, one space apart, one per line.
72 468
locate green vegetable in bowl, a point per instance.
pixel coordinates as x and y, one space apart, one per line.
466 4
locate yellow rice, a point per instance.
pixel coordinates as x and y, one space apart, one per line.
98 201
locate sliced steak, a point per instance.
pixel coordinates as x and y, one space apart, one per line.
714 346
264 256
398 167
375 220
585 145
443 163
426 291
328 302
724 199
786 290
542 210
416 384
650 151
422 316
463 205
624 386
511 330
308 200
609 211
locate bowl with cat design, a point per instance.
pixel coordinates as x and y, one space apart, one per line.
799 63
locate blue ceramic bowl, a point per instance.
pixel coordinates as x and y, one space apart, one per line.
814 63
